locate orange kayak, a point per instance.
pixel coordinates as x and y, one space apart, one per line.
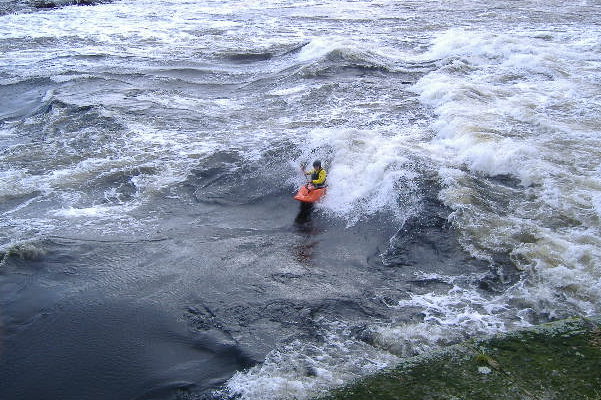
309 196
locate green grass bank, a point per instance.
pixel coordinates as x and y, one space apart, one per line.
555 361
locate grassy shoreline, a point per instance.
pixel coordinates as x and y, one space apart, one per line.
555 361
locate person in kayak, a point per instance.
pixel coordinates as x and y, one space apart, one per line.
318 176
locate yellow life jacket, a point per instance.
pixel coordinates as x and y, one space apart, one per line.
318 177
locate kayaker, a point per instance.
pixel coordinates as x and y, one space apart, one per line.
318 176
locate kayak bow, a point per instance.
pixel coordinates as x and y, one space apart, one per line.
309 196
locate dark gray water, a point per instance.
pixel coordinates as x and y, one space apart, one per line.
149 151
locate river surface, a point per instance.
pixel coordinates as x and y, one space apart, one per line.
149 151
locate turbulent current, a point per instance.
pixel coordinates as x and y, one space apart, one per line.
149 151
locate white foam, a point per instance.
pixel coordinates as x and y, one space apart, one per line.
63 78
70 212
301 370
365 169
518 105
7 133
289 91
358 51
320 47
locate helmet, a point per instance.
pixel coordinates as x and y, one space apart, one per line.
316 164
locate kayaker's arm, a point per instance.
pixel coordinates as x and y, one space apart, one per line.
321 178
304 171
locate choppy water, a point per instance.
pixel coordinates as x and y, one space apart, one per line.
149 150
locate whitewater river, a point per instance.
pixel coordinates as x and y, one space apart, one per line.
149 150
